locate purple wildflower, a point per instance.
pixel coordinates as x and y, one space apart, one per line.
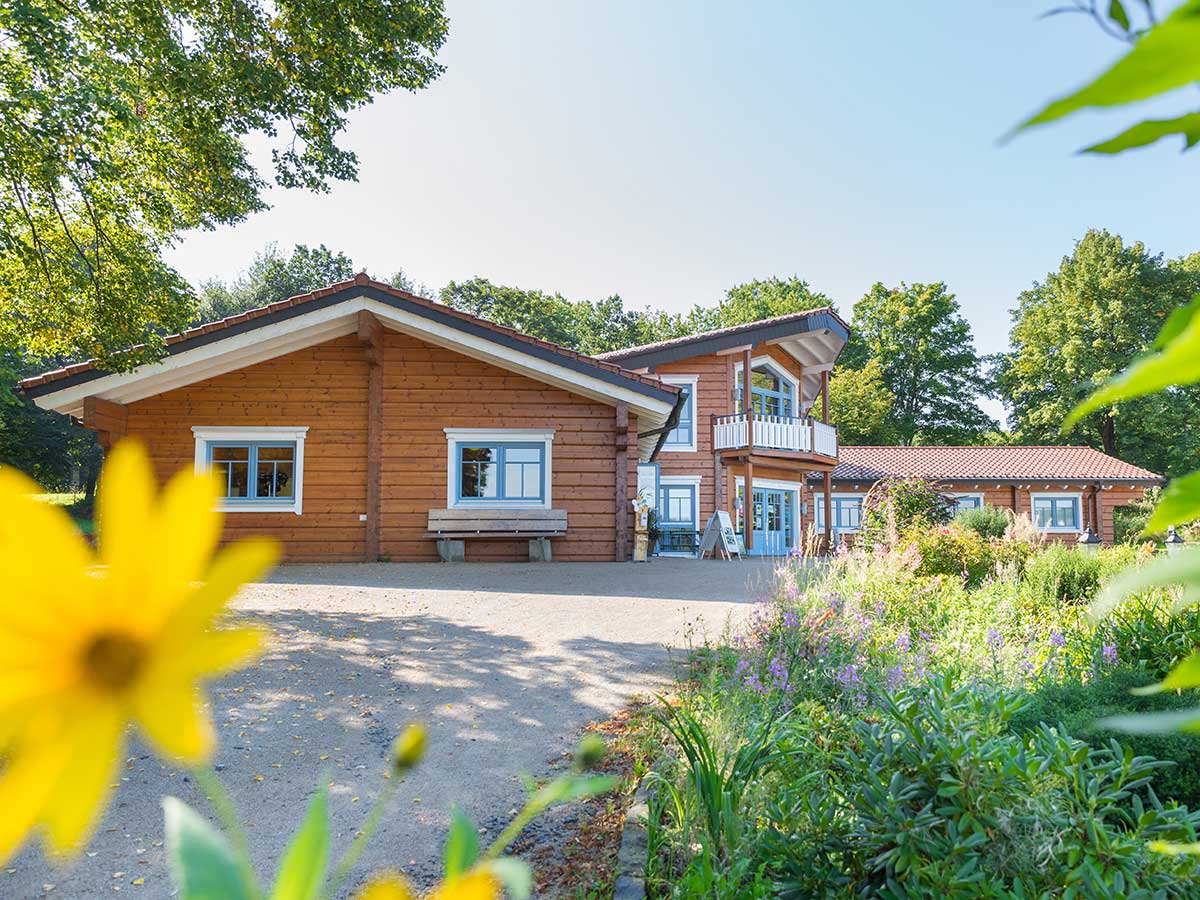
995 639
895 677
849 675
743 667
779 674
903 642
790 619
755 684
1109 654
1057 639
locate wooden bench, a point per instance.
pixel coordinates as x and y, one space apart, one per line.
451 528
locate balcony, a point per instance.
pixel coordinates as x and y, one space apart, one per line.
776 433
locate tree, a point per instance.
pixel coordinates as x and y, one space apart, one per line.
862 406
271 277
1077 328
123 124
755 300
927 358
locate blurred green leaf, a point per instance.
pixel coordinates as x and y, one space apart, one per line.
462 845
1168 847
1144 133
1116 12
515 875
203 865
1180 503
1183 570
1164 59
1178 362
1155 722
302 872
1177 322
1186 674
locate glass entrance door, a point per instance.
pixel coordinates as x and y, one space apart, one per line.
774 522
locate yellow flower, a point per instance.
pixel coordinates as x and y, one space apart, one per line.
478 884
409 747
90 641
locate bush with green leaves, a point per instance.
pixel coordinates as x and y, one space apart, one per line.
951 550
989 522
896 505
1063 574
935 797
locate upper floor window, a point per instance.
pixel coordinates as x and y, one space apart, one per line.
771 392
1056 512
683 435
257 469
498 467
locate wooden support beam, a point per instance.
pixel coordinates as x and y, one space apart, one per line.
621 478
370 333
748 508
109 420
718 470
747 399
825 397
1016 500
827 484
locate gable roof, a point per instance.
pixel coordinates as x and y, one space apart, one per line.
259 334
1022 463
764 330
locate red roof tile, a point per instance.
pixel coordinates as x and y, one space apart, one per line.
360 279
869 464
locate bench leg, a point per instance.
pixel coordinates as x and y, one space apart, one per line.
452 551
539 550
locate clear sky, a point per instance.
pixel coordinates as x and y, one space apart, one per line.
668 150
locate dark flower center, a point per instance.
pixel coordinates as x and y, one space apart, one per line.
113 661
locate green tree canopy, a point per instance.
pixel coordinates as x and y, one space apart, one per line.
1080 326
927 359
862 406
273 276
123 124
752 301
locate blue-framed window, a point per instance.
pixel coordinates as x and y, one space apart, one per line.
770 392
677 517
847 512
684 434
254 471
501 472
1056 513
967 502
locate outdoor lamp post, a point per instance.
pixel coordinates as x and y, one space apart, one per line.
1174 542
1088 541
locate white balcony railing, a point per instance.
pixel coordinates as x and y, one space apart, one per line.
776 433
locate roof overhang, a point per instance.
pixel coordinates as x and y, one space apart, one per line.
292 328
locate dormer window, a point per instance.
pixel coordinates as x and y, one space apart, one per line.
772 391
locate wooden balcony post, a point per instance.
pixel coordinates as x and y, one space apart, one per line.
825 396
748 507
827 484
747 404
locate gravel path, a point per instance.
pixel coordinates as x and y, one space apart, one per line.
504 662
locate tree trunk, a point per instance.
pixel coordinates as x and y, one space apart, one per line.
1108 434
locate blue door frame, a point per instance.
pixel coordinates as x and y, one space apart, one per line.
775 514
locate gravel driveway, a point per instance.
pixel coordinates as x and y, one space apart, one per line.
504 662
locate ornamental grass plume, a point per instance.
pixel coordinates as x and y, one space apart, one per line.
91 641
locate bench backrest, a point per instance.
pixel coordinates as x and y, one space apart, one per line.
499 520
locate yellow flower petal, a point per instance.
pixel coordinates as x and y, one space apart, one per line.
28 779
124 506
81 791
186 527
247 560
477 885
386 887
172 715
212 653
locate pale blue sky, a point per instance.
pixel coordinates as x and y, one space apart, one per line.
668 150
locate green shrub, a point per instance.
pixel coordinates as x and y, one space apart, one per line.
949 550
989 522
1078 707
1061 574
936 798
896 505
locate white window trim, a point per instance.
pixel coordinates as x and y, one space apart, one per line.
779 369
203 434
456 436
690 382
819 503
685 481
1077 496
739 481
